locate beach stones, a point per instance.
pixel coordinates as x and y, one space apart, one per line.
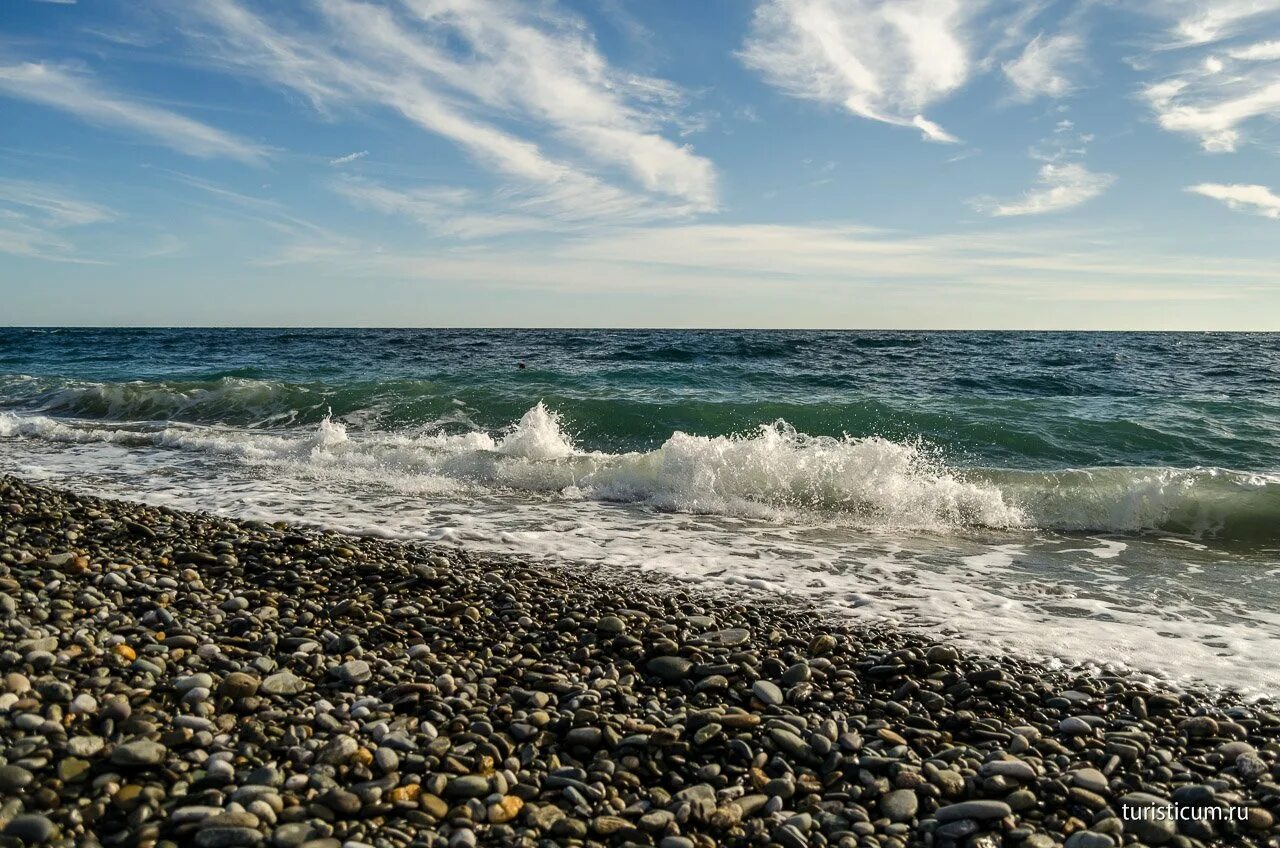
352 672
467 786
1089 778
900 805
14 779
611 625
768 693
238 685
731 637
670 668
291 688
31 829
979 810
338 750
139 754
283 684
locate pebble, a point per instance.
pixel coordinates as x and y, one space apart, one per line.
900 805
185 679
982 809
768 693
32 829
353 671
283 683
13 779
139 753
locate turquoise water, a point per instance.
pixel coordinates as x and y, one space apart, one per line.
1123 489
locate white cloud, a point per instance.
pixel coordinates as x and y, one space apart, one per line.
1058 186
349 158
1197 22
1210 86
1042 68
1063 182
1263 51
886 61
33 216
453 68
442 210
1213 110
79 95
51 204
1257 199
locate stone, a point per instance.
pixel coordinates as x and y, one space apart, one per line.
13 779
611 625
467 786
283 683
341 801
670 669
85 746
228 837
338 750
352 672
292 835
505 810
767 693
1075 726
31 829
1013 769
980 810
900 805
71 769
732 637
1089 778
140 753
1149 817
238 685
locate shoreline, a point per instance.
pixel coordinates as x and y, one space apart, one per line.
184 678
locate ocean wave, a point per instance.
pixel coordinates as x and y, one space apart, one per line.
774 471
1041 433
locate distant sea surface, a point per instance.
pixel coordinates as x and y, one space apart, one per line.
1110 498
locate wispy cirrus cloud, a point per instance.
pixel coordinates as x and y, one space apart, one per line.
1193 22
349 158
441 210
1255 199
1208 85
1062 181
79 94
1058 186
581 134
1214 110
1044 67
1262 51
881 60
34 217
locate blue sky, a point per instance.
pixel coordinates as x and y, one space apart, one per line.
789 163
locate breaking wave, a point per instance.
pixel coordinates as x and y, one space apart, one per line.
774 471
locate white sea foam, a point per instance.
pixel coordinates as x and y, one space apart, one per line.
861 527
776 471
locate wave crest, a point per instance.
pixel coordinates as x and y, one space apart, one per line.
774 471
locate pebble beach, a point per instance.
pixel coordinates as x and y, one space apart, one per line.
176 678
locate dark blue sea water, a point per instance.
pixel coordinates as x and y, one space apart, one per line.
1121 488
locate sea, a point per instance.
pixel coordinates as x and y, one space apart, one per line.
1107 499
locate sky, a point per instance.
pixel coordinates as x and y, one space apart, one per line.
1084 164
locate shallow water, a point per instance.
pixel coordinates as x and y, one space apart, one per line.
1111 498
